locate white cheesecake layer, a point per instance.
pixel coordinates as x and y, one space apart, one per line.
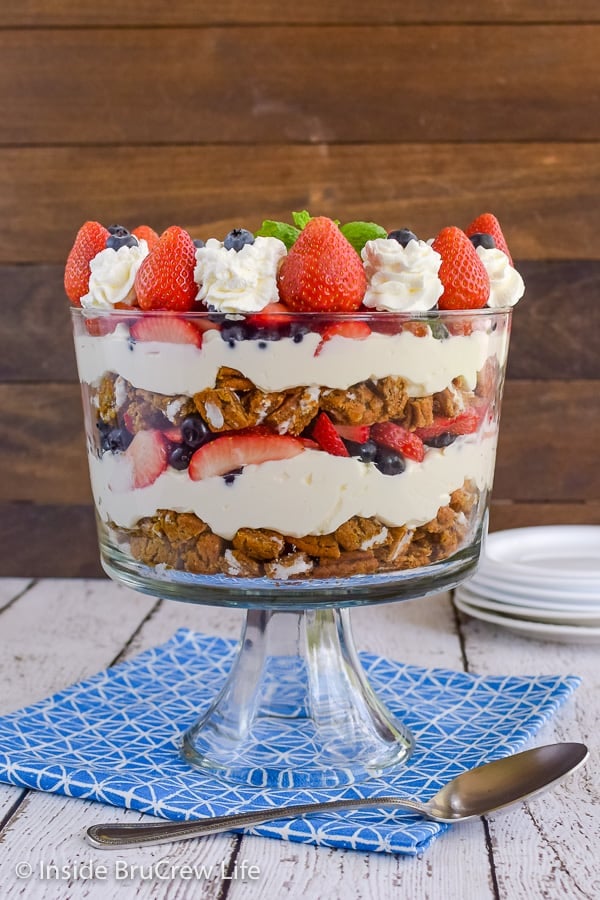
313 493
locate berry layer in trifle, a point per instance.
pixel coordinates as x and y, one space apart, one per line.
313 401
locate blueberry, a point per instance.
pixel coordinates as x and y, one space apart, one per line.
441 440
389 462
103 427
438 330
403 235
120 237
230 477
233 331
237 239
266 333
198 242
297 332
116 439
180 456
194 431
481 239
366 452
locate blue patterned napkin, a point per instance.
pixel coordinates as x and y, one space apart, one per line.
114 738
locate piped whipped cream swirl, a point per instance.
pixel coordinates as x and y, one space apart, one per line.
506 285
239 281
401 279
112 276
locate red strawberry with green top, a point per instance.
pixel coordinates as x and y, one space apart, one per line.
398 438
322 271
145 233
90 240
147 455
165 279
487 223
225 454
168 329
466 282
325 434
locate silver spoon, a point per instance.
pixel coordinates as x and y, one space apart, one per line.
474 793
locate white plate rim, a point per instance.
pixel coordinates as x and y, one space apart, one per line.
509 537
533 593
526 626
520 612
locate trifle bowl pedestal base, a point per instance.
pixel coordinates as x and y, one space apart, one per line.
297 709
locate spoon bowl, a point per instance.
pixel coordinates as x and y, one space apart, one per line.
473 793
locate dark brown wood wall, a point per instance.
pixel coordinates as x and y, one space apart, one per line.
216 115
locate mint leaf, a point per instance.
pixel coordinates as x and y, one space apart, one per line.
358 233
286 233
301 218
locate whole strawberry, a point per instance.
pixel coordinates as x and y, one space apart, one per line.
145 233
322 271
165 280
90 240
466 282
487 223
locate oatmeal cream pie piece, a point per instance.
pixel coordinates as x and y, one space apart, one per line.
361 534
296 412
222 409
205 556
322 546
258 543
418 413
359 405
292 565
356 562
235 562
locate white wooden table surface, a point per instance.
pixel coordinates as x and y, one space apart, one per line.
55 632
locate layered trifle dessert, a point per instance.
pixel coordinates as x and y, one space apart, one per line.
312 401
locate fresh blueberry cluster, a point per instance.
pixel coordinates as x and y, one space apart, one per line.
119 237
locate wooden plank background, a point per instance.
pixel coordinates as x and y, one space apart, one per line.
214 116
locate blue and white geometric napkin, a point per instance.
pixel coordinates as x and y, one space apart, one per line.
115 738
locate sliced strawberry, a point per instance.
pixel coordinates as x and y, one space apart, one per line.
90 240
271 316
357 433
465 422
168 329
398 438
148 456
308 444
352 330
487 223
326 436
419 329
98 326
225 454
173 435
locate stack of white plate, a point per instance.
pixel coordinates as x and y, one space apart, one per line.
543 582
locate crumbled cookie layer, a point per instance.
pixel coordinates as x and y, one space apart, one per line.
235 403
360 546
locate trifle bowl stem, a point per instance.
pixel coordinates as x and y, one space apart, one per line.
297 709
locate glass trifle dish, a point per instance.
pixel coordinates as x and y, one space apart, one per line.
294 421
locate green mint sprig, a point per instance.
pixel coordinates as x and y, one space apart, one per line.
356 233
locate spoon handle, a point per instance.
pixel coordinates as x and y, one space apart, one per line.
114 837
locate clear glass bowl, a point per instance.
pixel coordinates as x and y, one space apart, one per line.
293 466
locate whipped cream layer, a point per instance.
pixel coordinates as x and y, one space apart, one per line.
313 493
427 365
